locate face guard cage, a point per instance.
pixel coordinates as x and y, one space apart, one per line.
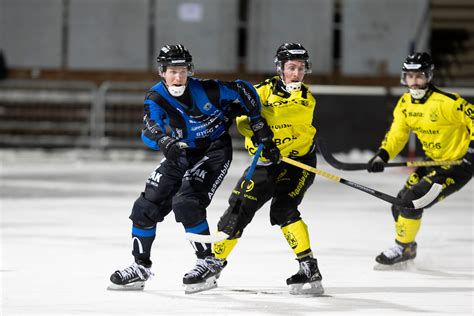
189 66
427 73
307 65
426 70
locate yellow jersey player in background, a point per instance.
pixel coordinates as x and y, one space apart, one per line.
443 123
288 107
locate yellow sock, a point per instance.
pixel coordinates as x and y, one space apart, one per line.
223 248
297 236
406 229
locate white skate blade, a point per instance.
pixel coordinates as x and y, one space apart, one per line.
135 286
314 288
400 266
209 284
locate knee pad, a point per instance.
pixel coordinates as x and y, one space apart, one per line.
146 213
396 212
410 195
188 210
284 216
411 213
232 224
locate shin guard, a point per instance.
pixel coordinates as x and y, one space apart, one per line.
222 249
142 240
297 236
202 250
406 229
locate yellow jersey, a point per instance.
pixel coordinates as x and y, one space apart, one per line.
443 122
290 116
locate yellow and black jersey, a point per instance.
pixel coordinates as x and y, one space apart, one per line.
290 117
443 122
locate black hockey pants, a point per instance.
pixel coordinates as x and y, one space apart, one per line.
185 186
452 178
284 184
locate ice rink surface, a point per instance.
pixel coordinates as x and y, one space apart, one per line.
65 229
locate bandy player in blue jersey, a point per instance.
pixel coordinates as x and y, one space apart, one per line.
188 120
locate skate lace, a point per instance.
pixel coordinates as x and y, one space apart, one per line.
393 252
305 269
200 268
134 270
205 264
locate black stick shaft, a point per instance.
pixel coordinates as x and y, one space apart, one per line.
349 166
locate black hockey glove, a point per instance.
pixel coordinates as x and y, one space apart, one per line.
171 148
262 134
468 158
376 164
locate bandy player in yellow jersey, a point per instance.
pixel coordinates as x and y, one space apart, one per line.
443 123
288 107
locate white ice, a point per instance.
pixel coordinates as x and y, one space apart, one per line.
65 229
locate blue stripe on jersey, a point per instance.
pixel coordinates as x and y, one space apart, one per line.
149 142
214 125
199 228
226 94
143 232
157 113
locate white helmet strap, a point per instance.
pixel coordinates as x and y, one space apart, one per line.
177 91
418 94
293 86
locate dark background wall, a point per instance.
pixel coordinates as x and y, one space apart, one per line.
357 121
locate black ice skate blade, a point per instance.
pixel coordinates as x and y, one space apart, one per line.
400 266
136 286
209 284
308 289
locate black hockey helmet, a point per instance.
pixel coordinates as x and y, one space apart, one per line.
291 51
175 55
418 62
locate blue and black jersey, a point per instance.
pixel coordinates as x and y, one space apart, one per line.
201 115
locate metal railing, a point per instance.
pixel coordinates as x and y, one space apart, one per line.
81 114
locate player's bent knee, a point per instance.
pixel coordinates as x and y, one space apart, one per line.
396 211
406 212
145 213
408 196
411 213
188 210
283 217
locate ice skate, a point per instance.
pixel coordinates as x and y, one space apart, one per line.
204 275
307 281
132 278
396 257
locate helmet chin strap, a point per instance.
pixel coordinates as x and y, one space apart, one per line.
418 93
293 86
176 91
